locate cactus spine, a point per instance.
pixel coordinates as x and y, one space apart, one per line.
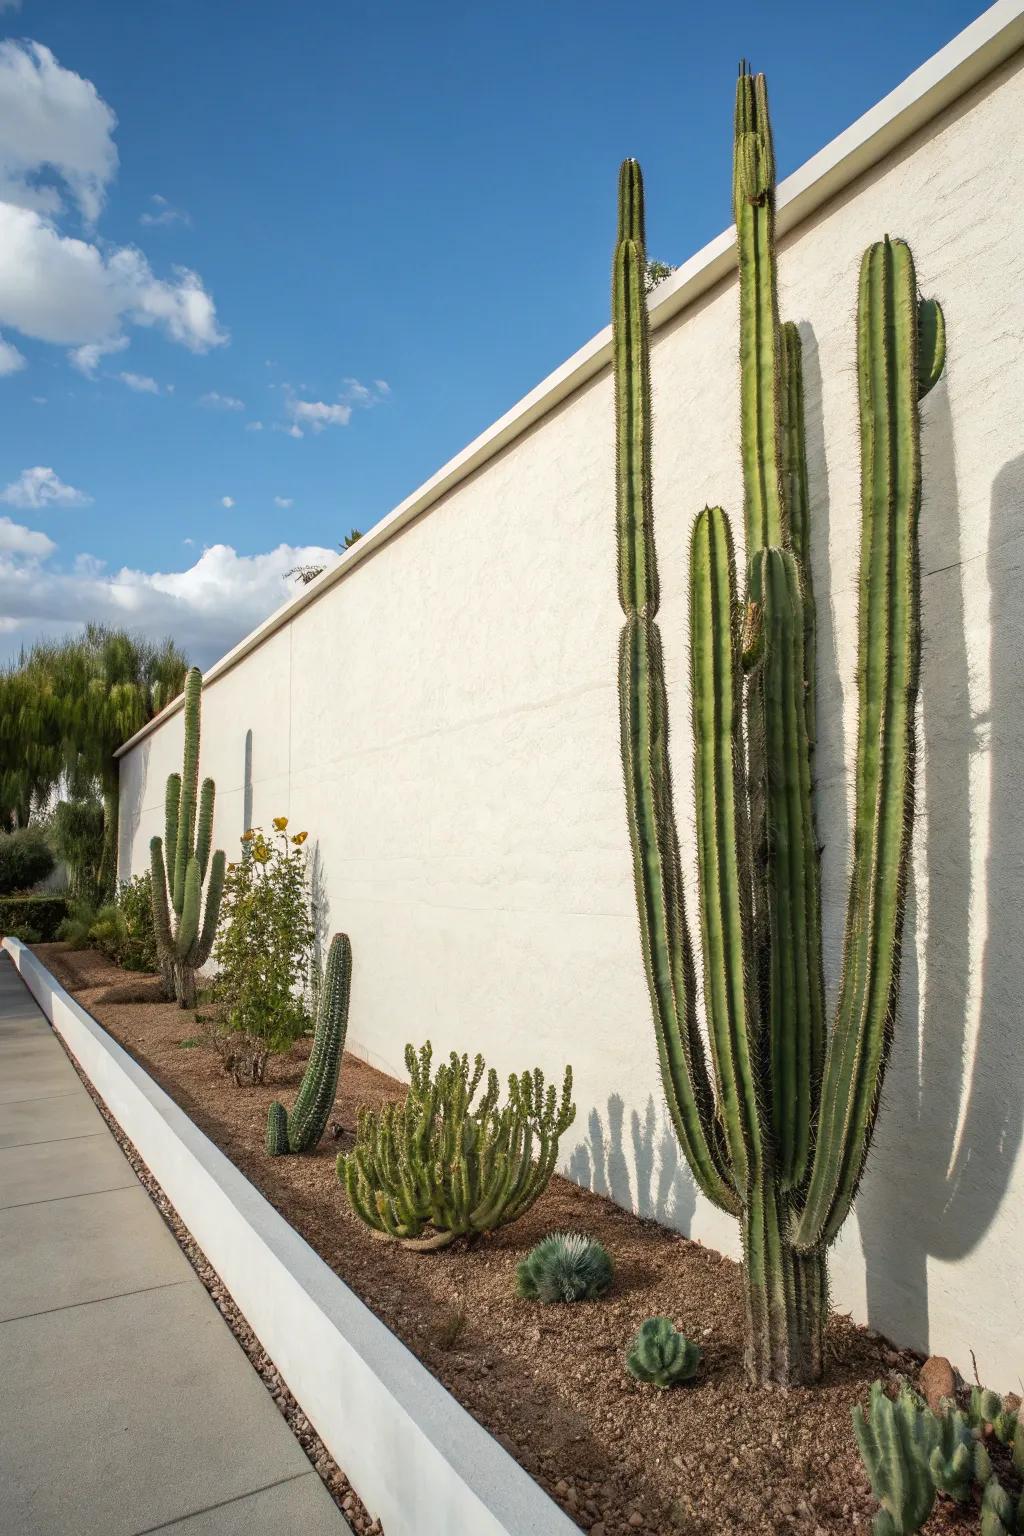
301 1130
777 1126
185 930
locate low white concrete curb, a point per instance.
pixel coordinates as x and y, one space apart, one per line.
416 1458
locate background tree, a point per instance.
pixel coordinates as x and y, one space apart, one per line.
65 708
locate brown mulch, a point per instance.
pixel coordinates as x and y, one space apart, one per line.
549 1382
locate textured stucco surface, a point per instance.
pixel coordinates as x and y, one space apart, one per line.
443 721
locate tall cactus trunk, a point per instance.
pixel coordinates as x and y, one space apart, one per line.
774 1115
184 927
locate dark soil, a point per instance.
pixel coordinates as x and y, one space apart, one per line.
549 1382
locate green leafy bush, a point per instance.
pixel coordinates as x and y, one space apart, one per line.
262 952
660 1356
33 919
25 859
564 1266
121 929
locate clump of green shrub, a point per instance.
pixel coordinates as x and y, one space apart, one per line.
121 929
262 952
32 919
76 836
564 1266
660 1356
26 858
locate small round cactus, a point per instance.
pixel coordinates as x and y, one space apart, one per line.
660 1356
564 1266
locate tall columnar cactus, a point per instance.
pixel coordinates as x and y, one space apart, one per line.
301 1130
441 1166
776 1128
185 930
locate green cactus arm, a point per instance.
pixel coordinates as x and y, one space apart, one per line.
797 497
643 716
665 938
158 897
723 842
172 800
638 571
277 1130
931 345
889 656
796 987
211 915
204 826
754 213
315 1099
184 845
188 925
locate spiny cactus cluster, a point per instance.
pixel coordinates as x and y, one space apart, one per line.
301 1130
660 1356
777 1130
564 1266
440 1166
185 931
911 1454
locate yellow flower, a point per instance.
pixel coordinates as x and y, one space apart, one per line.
300 838
280 822
247 837
261 853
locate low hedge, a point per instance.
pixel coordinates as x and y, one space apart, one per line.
33 919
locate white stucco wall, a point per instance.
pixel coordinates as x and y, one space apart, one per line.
443 720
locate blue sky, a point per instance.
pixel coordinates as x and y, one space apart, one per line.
369 228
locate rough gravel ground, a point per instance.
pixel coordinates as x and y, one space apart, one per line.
548 1382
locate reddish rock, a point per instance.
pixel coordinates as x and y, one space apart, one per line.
937 1380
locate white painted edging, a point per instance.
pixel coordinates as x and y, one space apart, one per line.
416 1458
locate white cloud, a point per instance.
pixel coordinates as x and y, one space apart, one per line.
163 213
316 415
11 360
57 154
87 359
217 402
284 501
60 289
16 540
40 487
227 501
254 426
52 122
140 382
207 608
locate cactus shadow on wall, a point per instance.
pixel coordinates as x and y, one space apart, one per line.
247 783
660 1185
953 1110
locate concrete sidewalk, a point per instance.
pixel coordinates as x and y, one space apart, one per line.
127 1406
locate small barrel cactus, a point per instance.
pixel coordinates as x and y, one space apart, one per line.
896 1440
660 1356
564 1266
301 1130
